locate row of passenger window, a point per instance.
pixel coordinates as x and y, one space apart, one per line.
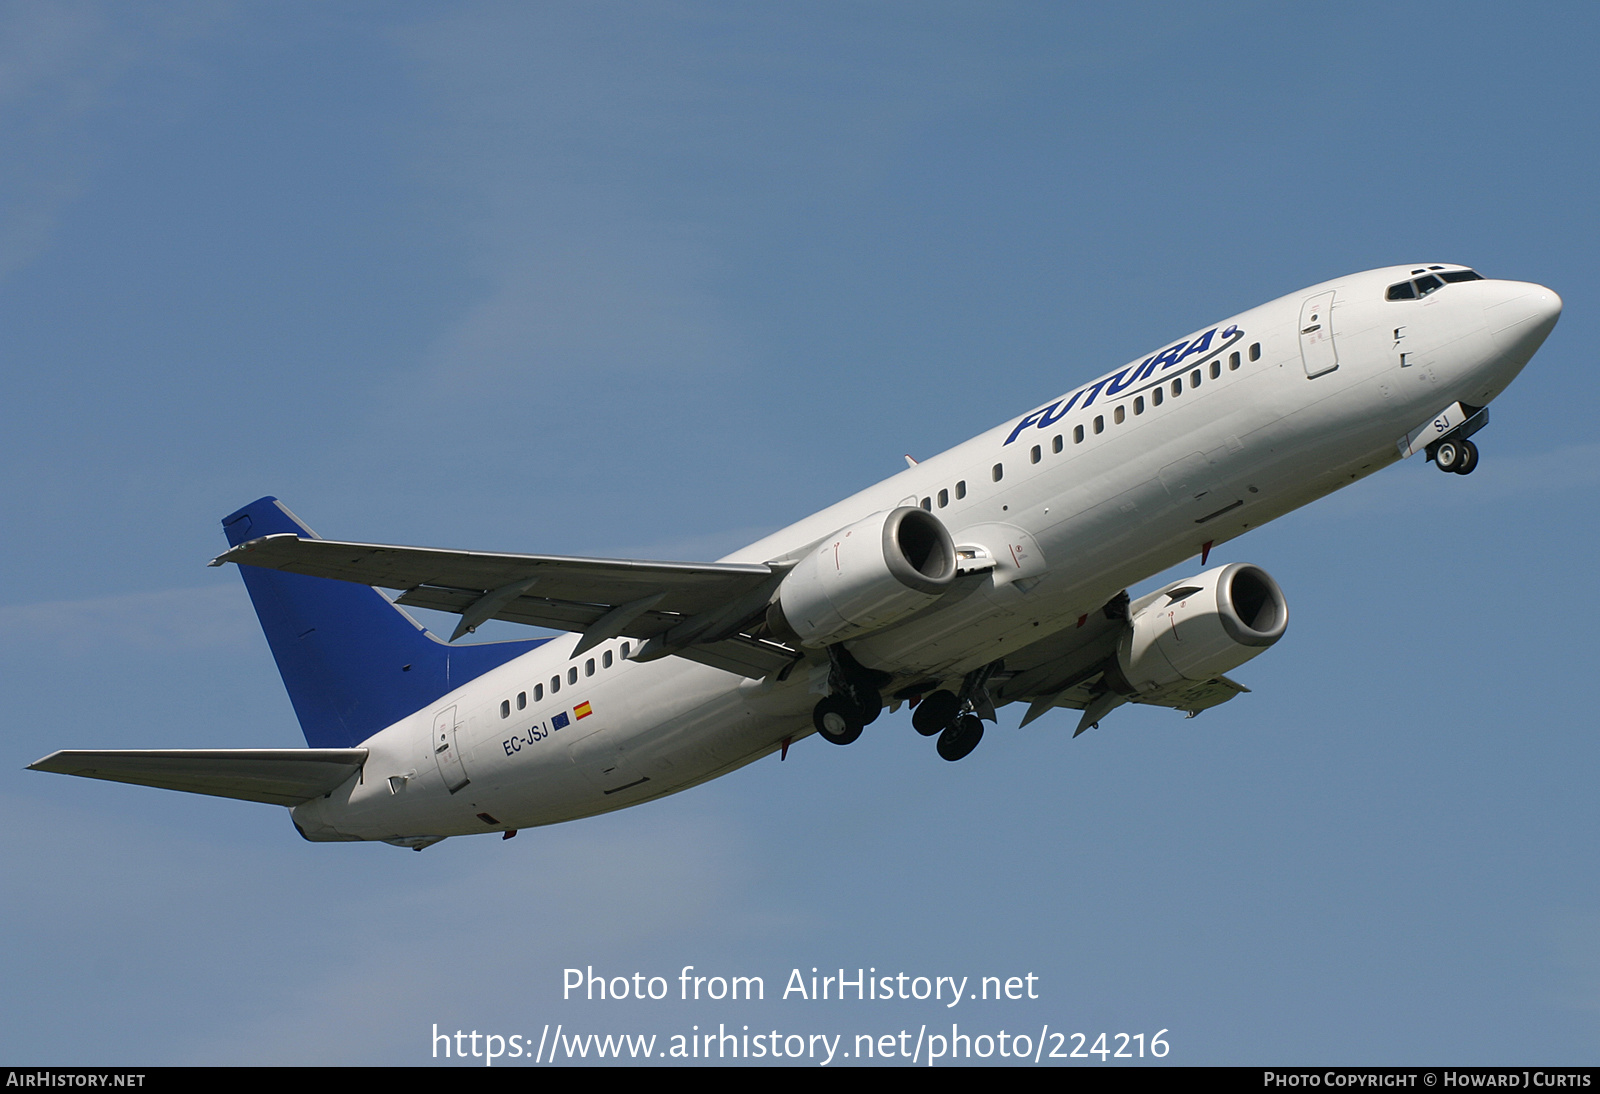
1158 395
607 659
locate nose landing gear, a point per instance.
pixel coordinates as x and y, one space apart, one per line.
1458 457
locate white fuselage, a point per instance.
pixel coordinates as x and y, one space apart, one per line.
1233 443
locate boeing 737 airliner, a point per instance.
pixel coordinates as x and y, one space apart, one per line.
993 573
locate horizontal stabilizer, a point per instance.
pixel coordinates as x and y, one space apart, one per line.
277 776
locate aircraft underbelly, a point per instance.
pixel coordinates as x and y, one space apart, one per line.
1157 464
669 725
672 725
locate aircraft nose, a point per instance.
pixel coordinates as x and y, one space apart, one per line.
1523 318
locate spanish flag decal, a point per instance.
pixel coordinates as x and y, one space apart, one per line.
582 711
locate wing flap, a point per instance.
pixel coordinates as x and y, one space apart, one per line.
537 611
742 655
689 587
600 598
1069 669
1192 698
277 776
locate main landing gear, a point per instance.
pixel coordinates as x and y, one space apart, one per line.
957 719
853 701
960 737
1458 457
840 718
941 713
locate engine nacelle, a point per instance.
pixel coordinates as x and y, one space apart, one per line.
873 573
1202 627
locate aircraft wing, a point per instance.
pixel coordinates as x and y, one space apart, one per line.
277 776
1191 698
697 610
1068 669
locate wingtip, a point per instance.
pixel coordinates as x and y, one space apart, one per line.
39 764
232 553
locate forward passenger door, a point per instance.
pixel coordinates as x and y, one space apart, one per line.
1316 335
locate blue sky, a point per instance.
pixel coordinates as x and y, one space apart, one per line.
655 279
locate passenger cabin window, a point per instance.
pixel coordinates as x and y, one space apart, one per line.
522 700
1077 434
1138 405
944 498
505 708
605 659
961 492
1099 423
999 471
1119 415
572 675
1177 387
1216 369
1158 396
1034 455
538 693
625 648
1194 378
1055 443
555 684
1255 351
927 503
1233 360
588 667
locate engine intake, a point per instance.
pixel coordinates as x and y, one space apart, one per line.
864 577
1202 627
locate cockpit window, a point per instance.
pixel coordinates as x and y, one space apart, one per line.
1422 286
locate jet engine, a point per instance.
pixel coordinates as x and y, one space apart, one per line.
873 573
1201 627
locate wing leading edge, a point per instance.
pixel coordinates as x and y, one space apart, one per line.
695 610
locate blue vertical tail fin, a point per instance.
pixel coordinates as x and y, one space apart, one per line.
353 662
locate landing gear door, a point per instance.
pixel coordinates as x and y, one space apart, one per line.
1316 335
445 753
